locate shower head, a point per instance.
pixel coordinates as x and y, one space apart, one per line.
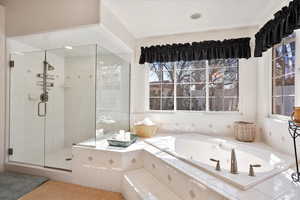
50 67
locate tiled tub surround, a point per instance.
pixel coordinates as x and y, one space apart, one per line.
105 167
199 149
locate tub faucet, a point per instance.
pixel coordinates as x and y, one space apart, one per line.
233 166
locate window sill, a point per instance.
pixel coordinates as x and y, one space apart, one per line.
195 112
279 118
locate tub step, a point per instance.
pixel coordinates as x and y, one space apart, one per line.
141 185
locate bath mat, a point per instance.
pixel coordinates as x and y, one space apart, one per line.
15 185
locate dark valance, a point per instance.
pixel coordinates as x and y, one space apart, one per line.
282 25
206 50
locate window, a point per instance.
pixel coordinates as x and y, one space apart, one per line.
194 86
283 77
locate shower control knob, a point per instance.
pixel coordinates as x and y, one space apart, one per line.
44 97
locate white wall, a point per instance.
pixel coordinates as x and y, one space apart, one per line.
79 100
274 129
34 16
213 124
115 26
2 86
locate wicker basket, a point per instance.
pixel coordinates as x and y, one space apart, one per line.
244 131
145 131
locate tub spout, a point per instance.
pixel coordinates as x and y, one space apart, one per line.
233 167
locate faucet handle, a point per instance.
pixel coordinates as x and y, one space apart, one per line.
218 167
251 169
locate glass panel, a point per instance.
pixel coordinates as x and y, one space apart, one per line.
289 64
184 65
277 105
155 76
167 66
216 103
155 103
216 75
183 90
168 76
155 90
167 90
231 85
113 92
288 105
231 62
219 63
198 104
71 105
26 126
183 103
168 104
201 64
279 51
230 104
224 83
278 69
216 90
198 90
289 84
283 83
198 76
278 86
183 76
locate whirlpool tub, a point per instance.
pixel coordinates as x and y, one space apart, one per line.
198 149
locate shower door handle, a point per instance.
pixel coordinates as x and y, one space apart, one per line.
39 109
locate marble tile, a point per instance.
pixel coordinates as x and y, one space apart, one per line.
187 181
278 185
290 195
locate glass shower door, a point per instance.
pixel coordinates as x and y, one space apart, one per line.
52 105
26 126
71 106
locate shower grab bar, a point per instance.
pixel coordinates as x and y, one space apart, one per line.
39 109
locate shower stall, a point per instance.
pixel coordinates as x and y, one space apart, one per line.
62 97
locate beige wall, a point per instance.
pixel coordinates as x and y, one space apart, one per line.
2 85
34 16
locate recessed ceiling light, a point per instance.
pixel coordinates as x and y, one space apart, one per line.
68 47
195 16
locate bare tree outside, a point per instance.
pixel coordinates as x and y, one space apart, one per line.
185 83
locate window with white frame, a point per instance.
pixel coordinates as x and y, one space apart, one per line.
194 85
283 77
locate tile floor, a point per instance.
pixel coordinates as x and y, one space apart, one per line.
53 190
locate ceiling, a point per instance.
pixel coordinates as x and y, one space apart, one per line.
145 18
